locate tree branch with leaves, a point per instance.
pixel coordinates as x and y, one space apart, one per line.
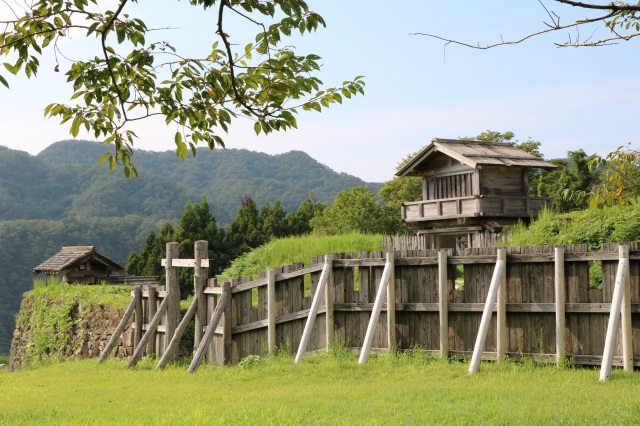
132 79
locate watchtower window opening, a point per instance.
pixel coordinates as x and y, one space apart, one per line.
453 186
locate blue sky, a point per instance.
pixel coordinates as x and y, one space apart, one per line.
416 89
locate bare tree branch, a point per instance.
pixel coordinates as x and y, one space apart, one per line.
615 11
105 30
617 7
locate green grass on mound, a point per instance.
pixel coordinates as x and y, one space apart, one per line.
324 389
299 249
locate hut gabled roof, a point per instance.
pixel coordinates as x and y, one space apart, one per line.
71 257
473 154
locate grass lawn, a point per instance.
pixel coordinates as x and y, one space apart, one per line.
327 389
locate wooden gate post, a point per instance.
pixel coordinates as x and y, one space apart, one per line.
201 250
173 292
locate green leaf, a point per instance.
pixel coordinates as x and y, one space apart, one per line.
4 82
75 125
257 127
104 157
13 70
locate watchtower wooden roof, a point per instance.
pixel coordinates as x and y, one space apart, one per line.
473 154
71 258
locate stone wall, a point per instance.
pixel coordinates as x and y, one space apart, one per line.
92 327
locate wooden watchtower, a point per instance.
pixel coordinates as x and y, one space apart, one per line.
471 187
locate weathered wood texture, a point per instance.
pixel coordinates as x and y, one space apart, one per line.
530 304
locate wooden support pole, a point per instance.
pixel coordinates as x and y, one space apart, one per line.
152 307
488 311
271 311
313 312
559 283
329 294
443 303
375 313
173 292
225 300
391 304
614 316
502 340
116 334
201 250
173 344
151 331
137 331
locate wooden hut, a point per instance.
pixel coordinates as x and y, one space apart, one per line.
469 187
79 264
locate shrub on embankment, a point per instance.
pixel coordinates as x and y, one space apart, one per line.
61 321
283 251
593 226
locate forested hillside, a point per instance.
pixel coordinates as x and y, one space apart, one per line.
225 177
63 197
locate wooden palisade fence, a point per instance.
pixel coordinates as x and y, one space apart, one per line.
545 307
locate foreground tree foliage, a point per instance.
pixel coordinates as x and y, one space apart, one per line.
131 78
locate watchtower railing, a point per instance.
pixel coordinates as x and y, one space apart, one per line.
473 206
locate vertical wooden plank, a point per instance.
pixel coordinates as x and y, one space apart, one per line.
627 344
271 311
443 306
501 316
226 355
514 289
201 250
152 307
209 308
173 293
560 304
137 335
328 300
391 303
